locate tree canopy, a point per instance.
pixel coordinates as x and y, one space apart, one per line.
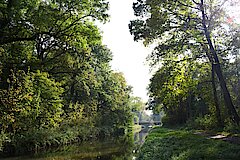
187 35
56 82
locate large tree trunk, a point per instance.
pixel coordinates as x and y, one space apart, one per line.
227 98
189 107
218 111
217 68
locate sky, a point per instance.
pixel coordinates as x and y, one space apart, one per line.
129 57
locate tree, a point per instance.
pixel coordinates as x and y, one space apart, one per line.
54 37
114 99
44 21
31 102
49 35
55 74
186 27
137 104
174 90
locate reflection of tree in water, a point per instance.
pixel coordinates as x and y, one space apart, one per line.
139 138
115 148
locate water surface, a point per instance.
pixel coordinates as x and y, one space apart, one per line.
118 148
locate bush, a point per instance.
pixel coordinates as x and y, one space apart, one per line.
4 138
206 122
170 120
232 128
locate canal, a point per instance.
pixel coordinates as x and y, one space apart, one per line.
121 148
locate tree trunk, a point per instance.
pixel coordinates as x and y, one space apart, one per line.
227 98
189 107
218 111
217 68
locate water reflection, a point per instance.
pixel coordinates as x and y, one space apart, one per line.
139 139
122 148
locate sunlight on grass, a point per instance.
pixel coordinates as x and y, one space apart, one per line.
169 144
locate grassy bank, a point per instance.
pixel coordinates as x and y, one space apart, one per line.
168 144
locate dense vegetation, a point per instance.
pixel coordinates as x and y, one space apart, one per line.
56 83
163 143
196 55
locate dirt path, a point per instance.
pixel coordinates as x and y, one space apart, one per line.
228 138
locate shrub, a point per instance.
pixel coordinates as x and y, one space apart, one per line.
206 122
4 138
232 128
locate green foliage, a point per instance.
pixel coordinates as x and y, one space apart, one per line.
137 104
56 82
164 143
4 138
232 128
114 101
31 101
207 122
25 20
190 40
174 89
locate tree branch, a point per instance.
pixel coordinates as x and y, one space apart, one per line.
16 39
186 5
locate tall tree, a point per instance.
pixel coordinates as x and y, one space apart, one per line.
193 27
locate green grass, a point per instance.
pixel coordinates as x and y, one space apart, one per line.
169 144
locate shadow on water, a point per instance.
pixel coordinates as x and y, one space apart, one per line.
121 148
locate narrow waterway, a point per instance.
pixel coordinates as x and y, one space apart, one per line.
121 148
